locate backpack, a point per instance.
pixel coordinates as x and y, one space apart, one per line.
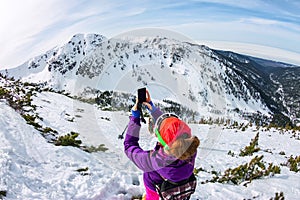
182 190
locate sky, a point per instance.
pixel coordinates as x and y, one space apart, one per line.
265 28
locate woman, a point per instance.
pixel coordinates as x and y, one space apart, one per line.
174 155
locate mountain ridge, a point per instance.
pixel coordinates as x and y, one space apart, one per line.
210 81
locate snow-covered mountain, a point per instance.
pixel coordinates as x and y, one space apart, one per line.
277 83
209 82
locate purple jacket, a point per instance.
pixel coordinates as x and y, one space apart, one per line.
154 163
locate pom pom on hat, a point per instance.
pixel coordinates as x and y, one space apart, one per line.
171 128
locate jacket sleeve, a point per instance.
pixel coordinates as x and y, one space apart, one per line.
132 148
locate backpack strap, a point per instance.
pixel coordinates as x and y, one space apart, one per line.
165 179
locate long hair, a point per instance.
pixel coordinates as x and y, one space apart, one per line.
184 147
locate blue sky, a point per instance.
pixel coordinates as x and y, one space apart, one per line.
31 27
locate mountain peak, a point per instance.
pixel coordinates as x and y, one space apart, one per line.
95 62
90 38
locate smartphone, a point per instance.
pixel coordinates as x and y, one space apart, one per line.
142 95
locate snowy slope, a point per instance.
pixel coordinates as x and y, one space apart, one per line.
31 168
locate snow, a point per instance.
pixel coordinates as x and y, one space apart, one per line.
32 168
114 65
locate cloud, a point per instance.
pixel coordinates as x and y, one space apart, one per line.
233 3
30 27
260 21
22 21
255 50
135 12
266 33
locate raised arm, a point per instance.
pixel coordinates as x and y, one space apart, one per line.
132 148
134 152
155 112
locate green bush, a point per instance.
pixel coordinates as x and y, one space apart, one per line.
2 193
252 148
92 149
137 197
30 119
197 170
255 169
83 171
3 92
106 118
48 130
231 153
68 140
282 153
278 196
294 163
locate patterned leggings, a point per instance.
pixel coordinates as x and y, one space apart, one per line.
151 195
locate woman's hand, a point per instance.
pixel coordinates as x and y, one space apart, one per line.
148 104
148 101
148 97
